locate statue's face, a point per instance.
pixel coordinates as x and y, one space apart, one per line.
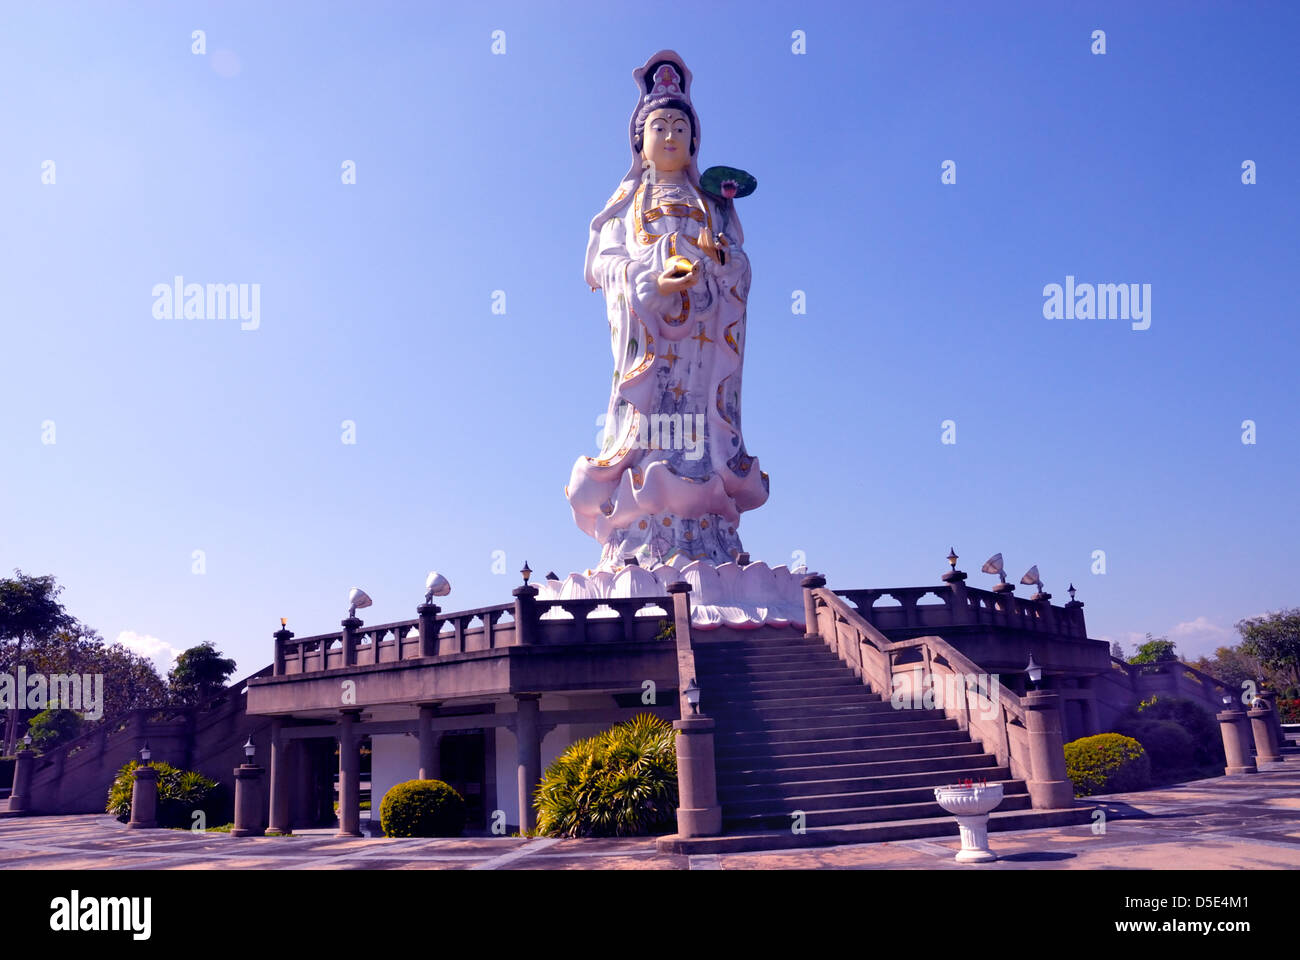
667 140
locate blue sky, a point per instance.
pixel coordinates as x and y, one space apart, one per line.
478 172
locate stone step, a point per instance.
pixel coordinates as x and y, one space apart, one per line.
765 713
775 820
825 771
829 700
757 645
946 826
747 738
785 761
776 689
737 751
757 659
740 791
784 806
874 714
778 672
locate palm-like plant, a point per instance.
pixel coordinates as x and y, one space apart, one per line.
620 783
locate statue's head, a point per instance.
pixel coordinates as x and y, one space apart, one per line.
664 133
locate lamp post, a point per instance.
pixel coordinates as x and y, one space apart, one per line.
250 814
1034 672
144 793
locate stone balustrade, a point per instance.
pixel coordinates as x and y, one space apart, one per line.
485 628
957 605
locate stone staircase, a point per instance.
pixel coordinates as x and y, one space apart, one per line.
798 732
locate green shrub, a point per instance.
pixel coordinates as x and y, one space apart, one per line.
1107 763
1195 720
1169 746
180 793
619 783
422 808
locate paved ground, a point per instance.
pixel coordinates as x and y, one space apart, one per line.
1225 823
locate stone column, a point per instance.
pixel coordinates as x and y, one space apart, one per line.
1268 700
349 776
281 822
250 818
1049 786
1236 743
144 799
1261 724
529 743
810 605
20 797
430 760
698 813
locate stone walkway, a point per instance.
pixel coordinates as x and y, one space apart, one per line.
1221 824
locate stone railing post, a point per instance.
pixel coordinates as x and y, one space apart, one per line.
428 617
1261 724
144 799
1049 784
20 797
698 811
250 815
1236 743
525 614
811 583
282 636
350 627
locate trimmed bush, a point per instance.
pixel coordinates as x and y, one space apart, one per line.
422 808
1107 763
1169 746
180 793
1288 711
619 783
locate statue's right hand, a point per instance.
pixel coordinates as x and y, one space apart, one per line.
670 283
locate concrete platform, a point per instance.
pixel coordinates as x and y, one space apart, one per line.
1225 823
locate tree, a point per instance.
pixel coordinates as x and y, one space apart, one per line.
1117 650
130 680
1231 666
29 612
1274 639
200 674
1155 650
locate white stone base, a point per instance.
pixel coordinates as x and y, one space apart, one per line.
723 596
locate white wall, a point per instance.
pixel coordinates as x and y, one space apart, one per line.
395 758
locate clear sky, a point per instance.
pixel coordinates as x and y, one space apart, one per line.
478 172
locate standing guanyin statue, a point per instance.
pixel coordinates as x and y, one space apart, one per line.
673 476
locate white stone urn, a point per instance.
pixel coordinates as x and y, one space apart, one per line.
971 806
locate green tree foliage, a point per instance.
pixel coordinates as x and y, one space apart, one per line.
1274 640
619 783
1155 650
130 680
199 675
29 611
51 728
422 808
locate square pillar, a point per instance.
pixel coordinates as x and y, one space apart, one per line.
529 743
349 776
430 742
280 824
